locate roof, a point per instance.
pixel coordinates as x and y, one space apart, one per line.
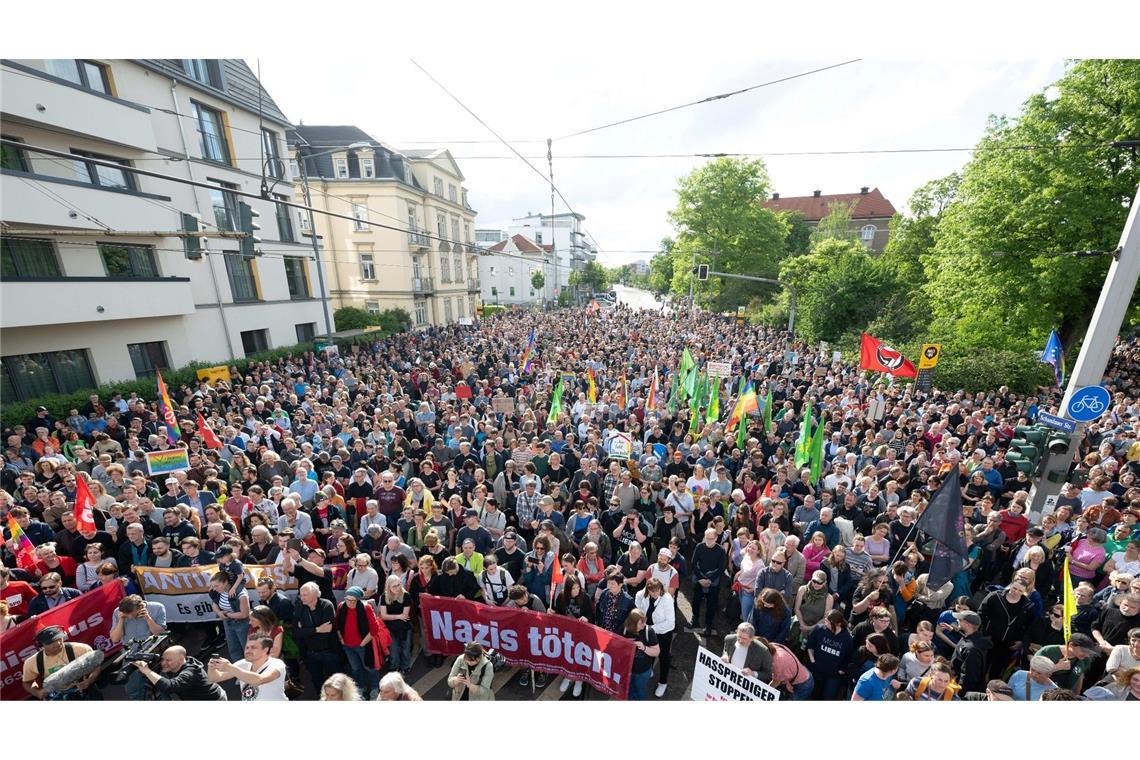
240 84
332 135
869 205
522 244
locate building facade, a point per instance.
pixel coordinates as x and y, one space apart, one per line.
424 260
870 212
109 274
567 234
507 267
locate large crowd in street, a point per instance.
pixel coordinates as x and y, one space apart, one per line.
401 460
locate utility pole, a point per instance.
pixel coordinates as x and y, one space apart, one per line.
1119 284
316 247
692 281
553 239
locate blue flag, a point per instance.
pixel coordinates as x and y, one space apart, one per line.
1054 354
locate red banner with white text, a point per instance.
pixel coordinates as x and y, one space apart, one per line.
86 619
549 643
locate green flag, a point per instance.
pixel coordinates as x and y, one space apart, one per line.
687 371
804 442
817 451
713 413
768 412
555 404
687 361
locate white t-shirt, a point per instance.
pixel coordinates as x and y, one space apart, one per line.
739 656
274 691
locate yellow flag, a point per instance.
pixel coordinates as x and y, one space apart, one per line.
1068 601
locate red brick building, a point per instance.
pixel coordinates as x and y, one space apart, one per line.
870 213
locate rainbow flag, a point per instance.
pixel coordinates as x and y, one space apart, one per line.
25 550
651 398
172 432
747 402
525 364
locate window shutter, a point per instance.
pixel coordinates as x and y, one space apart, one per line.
192 245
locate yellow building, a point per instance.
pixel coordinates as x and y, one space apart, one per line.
427 265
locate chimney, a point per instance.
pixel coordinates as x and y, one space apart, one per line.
775 196
816 193
864 190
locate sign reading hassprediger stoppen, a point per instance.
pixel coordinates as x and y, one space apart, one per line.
715 680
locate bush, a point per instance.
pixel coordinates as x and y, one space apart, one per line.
352 318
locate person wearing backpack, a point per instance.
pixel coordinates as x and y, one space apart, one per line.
494 581
55 653
471 676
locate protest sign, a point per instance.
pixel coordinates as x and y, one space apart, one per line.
549 643
503 405
184 591
212 375
719 369
170 460
621 446
87 619
715 680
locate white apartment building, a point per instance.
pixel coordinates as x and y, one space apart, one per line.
640 267
98 283
423 259
566 233
506 269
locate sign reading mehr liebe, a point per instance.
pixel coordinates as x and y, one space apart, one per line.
171 460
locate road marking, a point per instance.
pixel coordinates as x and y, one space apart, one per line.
433 677
553 691
502 678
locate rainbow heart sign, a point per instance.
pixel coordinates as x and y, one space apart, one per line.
171 460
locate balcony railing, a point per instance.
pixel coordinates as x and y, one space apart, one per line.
422 285
472 283
418 240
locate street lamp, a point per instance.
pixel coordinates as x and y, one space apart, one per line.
313 226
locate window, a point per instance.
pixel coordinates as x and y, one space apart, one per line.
868 232
360 217
421 313
225 206
211 132
148 357
254 341
452 195
467 233
367 168
367 267
494 291
510 271
538 237
463 194
13 158
457 267
284 223
204 70
273 165
512 291
417 267
372 307
295 275
492 268
122 260
243 281
447 311
441 226
306 331
437 185
340 166
455 229
444 269
102 176
29 376
303 221
86 74
28 258
294 169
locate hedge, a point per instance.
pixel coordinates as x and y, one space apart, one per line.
19 412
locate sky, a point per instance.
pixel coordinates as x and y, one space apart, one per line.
867 105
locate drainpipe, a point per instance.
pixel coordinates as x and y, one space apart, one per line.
198 205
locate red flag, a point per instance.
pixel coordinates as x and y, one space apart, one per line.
84 507
876 355
768 489
208 436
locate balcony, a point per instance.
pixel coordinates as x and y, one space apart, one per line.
423 285
473 283
121 210
419 240
93 299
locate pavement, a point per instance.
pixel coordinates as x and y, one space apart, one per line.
636 298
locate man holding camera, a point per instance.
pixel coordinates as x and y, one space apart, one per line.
180 676
135 621
55 653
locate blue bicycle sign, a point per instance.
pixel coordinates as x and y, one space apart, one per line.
1088 403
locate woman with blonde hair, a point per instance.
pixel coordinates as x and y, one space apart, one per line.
418 496
339 688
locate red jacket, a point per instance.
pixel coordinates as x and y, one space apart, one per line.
1014 527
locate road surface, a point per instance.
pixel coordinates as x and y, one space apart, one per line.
636 298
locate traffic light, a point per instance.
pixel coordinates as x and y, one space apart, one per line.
702 272
1025 450
247 221
1059 445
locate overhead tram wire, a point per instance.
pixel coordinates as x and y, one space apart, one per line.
709 99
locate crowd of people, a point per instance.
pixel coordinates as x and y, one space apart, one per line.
394 459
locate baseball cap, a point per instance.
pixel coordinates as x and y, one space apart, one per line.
665 553
49 635
969 617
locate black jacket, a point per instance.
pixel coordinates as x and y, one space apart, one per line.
190 684
462 582
969 661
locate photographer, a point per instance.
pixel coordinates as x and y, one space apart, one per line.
132 624
471 675
180 676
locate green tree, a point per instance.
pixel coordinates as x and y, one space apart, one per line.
352 318
798 240
840 287
1070 191
537 280
836 225
661 268
591 277
394 320
720 206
